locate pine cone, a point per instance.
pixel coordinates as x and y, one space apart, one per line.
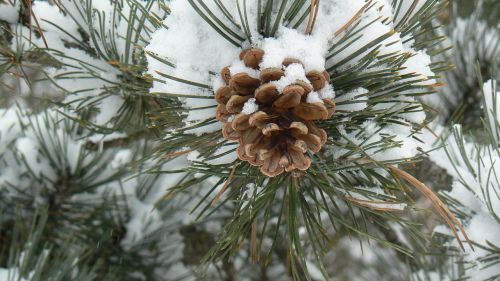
278 136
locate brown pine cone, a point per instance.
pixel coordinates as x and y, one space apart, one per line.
278 136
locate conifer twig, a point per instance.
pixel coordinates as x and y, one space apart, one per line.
32 15
224 188
352 20
253 251
373 204
312 16
438 204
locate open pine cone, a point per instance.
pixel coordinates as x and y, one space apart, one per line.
278 135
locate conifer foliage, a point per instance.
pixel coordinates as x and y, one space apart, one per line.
249 140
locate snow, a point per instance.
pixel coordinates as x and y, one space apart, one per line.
27 148
9 12
475 171
314 97
10 127
311 50
355 100
250 107
191 32
375 197
52 19
250 194
492 102
314 271
370 136
197 51
98 138
429 276
294 72
193 156
473 182
238 67
474 40
419 63
8 274
85 75
225 156
187 31
289 43
406 5
327 92
198 131
122 158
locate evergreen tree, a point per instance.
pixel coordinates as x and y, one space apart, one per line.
249 140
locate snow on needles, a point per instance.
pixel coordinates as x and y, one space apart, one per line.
475 188
311 50
197 52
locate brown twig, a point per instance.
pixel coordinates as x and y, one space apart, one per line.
176 153
253 239
353 19
372 204
312 16
119 142
224 188
56 2
39 28
438 204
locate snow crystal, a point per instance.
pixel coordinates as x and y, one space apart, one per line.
327 92
200 130
53 19
406 6
122 158
187 32
225 155
419 64
492 102
294 72
289 43
250 107
7 274
314 97
252 189
352 101
10 13
429 276
181 42
239 66
99 138
376 197
144 216
471 188
314 271
193 156
27 148
10 127
369 136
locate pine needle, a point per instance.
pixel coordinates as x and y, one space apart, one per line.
32 15
224 188
438 204
253 250
312 16
352 20
176 153
373 204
